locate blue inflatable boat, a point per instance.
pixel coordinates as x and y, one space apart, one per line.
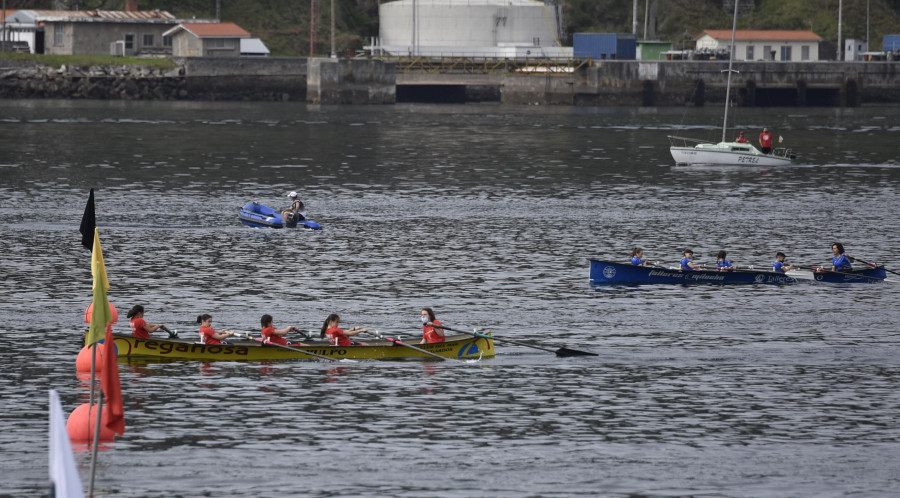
257 215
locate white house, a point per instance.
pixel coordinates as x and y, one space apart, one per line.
763 45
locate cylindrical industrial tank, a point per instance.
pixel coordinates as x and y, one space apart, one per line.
467 23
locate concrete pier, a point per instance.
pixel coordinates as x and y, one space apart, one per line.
372 81
678 83
351 81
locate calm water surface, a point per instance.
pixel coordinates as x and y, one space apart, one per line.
489 215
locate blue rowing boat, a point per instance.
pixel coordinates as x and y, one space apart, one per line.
257 215
611 273
854 276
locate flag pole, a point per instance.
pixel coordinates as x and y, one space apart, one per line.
91 399
96 443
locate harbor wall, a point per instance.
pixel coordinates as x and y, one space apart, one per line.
350 81
369 81
244 78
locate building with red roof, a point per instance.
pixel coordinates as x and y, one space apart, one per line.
762 45
200 39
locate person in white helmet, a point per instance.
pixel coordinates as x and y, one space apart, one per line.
296 208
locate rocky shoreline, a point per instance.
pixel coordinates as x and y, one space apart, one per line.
121 82
95 82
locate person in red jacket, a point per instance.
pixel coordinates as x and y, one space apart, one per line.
139 326
765 141
271 334
432 330
741 139
337 336
208 335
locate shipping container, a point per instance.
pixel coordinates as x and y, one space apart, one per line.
602 46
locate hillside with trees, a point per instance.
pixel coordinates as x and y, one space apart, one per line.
284 25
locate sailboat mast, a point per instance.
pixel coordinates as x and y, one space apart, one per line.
730 60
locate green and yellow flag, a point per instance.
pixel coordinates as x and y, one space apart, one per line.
100 314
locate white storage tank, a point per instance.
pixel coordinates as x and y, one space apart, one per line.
467 27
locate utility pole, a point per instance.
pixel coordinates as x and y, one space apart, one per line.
867 27
415 49
840 47
333 53
646 11
634 19
3 29
312 28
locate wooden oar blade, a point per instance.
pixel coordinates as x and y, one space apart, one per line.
566 352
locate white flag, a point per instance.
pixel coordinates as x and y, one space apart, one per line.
63 473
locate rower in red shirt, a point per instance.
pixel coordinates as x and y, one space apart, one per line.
208 335
139 327
337 336
432 331
272 335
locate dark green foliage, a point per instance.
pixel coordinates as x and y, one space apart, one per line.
284 24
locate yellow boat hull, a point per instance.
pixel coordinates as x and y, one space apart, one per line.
457 347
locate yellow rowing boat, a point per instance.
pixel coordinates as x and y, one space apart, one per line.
455 347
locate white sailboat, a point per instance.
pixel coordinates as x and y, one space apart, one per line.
693 152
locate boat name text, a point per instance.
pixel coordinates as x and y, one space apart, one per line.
169 347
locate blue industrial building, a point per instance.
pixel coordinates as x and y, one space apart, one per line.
601 46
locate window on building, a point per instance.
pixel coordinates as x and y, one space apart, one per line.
786 53
220 43
749 53
148 40
767 53
129 42
167 41
804 53
57 35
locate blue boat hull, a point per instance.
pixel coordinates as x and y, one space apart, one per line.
854 276
257 215
610 273
607 272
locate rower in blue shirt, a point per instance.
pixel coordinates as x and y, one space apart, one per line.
841 261
637 257
779 266
686 263
722 263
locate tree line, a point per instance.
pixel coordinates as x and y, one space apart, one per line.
285 25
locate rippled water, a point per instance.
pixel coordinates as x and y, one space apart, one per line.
488 214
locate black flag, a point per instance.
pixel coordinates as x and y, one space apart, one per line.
88 223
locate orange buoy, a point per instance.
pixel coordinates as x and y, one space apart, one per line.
83 362
113 313
82 422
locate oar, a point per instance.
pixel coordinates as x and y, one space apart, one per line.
873 265
398 342
564 352
815 269
248 336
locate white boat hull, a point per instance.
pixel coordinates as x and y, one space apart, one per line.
724 154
